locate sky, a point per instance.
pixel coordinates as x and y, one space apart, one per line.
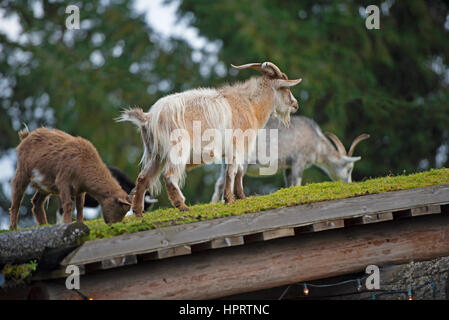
160 16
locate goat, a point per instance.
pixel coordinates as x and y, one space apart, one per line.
125 182
299 147
241 106
54 162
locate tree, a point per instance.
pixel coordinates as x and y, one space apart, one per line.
392 83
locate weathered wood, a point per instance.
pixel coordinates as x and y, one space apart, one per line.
270 235
431 209
417 211
272 263
327 225
218 243
226 242
377 217
278 233
370 218
167 253
289 217
118 262
52 241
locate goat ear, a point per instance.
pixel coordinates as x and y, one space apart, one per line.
351 159
282 83
124 201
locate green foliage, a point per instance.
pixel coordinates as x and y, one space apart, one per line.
354 80
19 273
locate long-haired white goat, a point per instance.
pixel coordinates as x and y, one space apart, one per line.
240 106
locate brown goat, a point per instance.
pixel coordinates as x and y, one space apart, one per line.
55 162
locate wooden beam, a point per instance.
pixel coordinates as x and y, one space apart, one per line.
218 243
370 218
118 262
261 265
270 235
431 209
327 225
298 217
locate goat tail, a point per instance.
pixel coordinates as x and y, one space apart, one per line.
141 120
24 133
135 115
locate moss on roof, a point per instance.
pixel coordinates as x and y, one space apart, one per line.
282 198
19 273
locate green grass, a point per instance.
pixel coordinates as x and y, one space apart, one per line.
282 198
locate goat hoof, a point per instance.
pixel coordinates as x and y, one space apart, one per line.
229 201
137 213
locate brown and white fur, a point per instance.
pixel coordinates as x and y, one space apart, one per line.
300 146
54 162
246 105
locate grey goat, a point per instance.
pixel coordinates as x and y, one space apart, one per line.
300 146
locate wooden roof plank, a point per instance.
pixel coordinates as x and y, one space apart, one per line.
288 217
431 209
270 264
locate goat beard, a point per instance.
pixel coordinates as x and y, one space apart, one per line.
284 117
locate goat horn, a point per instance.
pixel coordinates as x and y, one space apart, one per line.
255 66
277 72
267 68
356 141
340 147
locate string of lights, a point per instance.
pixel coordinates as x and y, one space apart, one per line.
82 295
307 285
408 292
360 289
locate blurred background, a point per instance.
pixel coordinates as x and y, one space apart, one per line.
392 83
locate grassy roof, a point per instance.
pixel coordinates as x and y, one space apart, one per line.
282 198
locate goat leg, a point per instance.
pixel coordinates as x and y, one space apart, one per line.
175 195
229 183
238 184
219 185
67 204
38 207
19 184
146 178
296 173
79 203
